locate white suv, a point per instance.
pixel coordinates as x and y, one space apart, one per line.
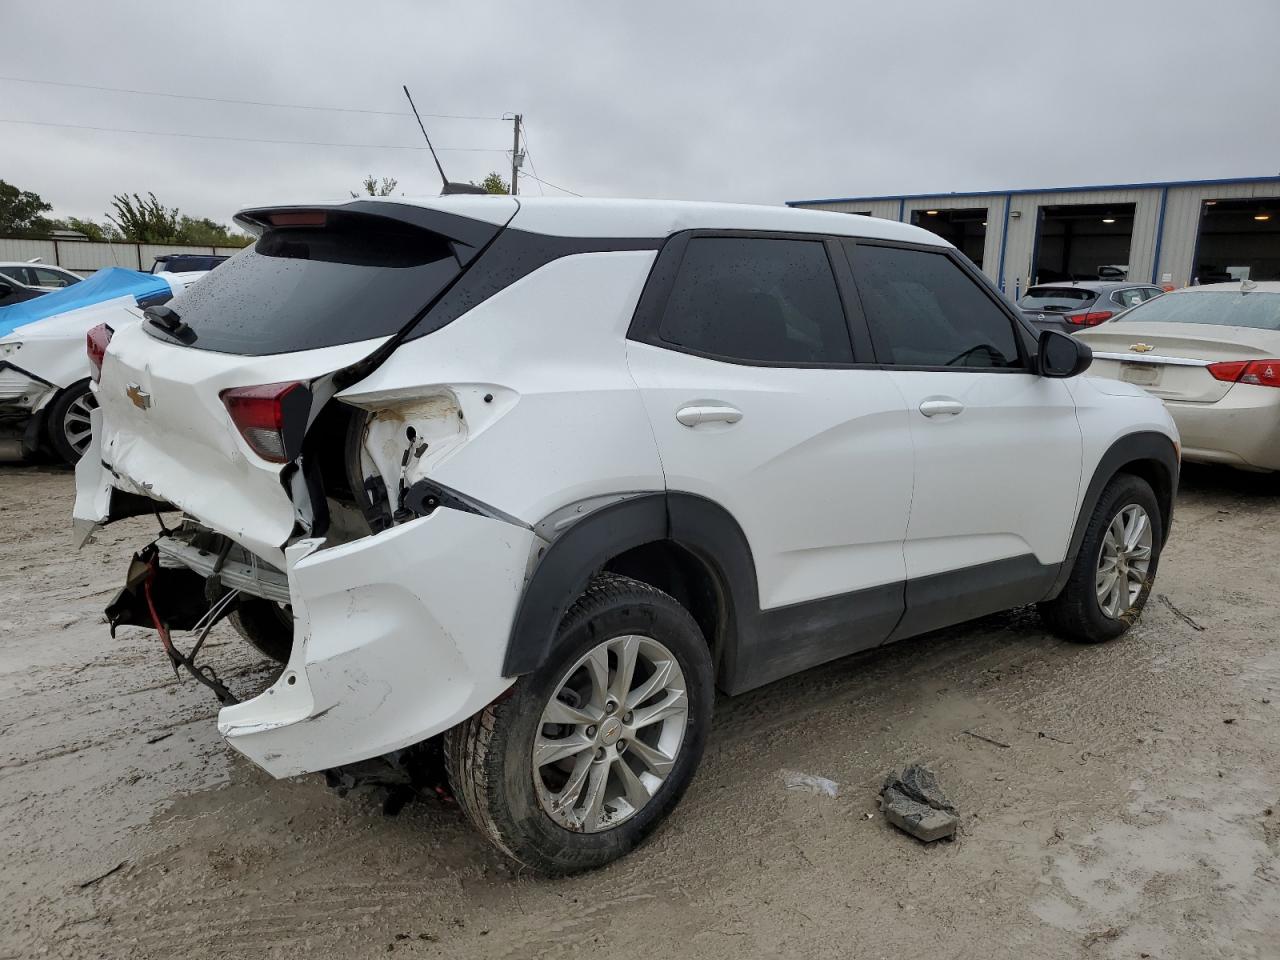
535 477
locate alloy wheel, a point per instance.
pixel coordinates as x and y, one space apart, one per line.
76 425
1124 560
611 733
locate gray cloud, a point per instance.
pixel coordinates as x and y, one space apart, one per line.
732 101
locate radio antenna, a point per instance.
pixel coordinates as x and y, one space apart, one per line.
446 186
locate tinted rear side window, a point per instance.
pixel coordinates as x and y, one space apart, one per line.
301 288
925 311
757 300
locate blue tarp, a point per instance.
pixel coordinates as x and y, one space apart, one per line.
106 284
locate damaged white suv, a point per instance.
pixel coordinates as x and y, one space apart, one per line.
534 477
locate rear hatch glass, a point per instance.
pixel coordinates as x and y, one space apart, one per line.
1230 308
1057 299
319 279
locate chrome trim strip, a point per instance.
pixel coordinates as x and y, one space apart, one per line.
1151 358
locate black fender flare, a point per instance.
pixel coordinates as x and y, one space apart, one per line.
701 526
566 567
1144 447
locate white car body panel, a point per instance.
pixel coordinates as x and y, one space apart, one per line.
817 472
427 654
600 443
581 217
961 514
184 446
1108 411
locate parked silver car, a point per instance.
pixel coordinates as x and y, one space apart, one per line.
1071 306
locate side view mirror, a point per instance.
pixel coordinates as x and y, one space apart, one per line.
1062 355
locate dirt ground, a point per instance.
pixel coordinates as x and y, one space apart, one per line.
1134 812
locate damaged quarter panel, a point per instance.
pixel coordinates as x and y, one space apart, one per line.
180 445
397 637
477 421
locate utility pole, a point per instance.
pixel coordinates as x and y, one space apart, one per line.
515 155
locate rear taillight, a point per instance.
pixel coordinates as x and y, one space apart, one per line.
1260 373
96 341
265 414
1089 319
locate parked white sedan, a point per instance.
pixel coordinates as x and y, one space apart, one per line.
1212 353
34 275
44 373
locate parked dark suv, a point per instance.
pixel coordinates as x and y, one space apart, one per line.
183 262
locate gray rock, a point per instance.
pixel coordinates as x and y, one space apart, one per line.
921 784
914 802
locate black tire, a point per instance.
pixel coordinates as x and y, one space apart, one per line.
65 427
1076 613
489 757
266 625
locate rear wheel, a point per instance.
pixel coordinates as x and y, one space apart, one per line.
267 625
68 426
1115 568
590 752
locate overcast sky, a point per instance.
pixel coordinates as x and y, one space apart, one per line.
726 100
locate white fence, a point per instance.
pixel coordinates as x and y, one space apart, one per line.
86 256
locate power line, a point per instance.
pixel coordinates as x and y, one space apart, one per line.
210 136
247 103
549 184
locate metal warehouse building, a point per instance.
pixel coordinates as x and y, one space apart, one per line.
1172 233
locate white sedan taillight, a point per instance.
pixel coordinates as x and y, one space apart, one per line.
96 341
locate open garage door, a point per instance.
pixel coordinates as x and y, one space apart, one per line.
965 229
1086 241
1238 240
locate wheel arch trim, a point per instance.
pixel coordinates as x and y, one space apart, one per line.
701 526
1145 448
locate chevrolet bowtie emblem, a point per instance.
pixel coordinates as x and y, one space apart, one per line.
1141 347
141 399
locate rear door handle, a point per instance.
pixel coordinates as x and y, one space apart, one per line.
938 406
708 412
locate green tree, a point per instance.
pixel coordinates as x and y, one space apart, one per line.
372 188
144 221
21 211
493 183
207 232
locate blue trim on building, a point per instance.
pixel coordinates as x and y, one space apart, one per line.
1166 184
1155 261
1004 238
902 206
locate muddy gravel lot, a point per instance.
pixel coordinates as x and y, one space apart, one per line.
1129 806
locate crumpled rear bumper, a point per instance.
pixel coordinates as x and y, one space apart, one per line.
397 637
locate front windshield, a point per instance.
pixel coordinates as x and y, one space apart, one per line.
1226 308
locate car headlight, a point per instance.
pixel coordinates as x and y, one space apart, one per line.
9 349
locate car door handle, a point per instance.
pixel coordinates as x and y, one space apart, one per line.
695 413
941 405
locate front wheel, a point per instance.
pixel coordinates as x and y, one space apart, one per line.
591 751
1115 568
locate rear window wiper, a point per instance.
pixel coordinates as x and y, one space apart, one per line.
166 319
